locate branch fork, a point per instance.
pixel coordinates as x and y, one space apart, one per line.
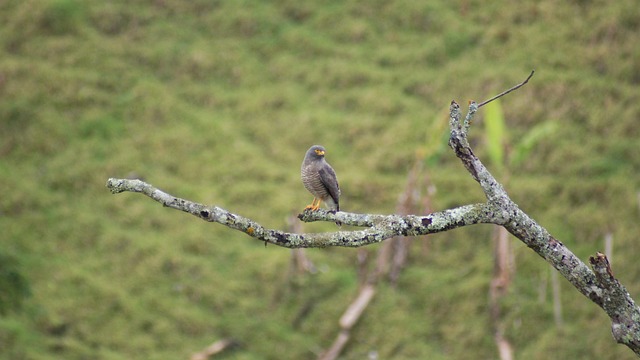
599 285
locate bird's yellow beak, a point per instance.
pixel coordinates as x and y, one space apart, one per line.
319 152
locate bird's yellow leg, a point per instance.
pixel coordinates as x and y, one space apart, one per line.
313 205
317 206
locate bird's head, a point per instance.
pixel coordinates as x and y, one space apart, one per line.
316 151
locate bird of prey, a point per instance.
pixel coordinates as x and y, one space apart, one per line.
320 180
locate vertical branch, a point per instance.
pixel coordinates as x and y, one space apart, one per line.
393 254
502 276
608 246
496 141
300 263
364 276
557 303
407 204
391 259
542 286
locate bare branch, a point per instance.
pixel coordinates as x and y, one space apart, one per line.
618 304
348 320
379 227
601 288
214 349
507 91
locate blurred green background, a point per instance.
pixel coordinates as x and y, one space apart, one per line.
217 102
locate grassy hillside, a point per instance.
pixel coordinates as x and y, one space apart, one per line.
217 101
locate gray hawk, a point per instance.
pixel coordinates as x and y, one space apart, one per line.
320 180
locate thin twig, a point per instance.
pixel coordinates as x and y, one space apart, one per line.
215 348
507 91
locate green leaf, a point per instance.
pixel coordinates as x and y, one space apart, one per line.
495 133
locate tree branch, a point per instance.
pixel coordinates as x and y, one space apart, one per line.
618 304
600 287
507 91
379 227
